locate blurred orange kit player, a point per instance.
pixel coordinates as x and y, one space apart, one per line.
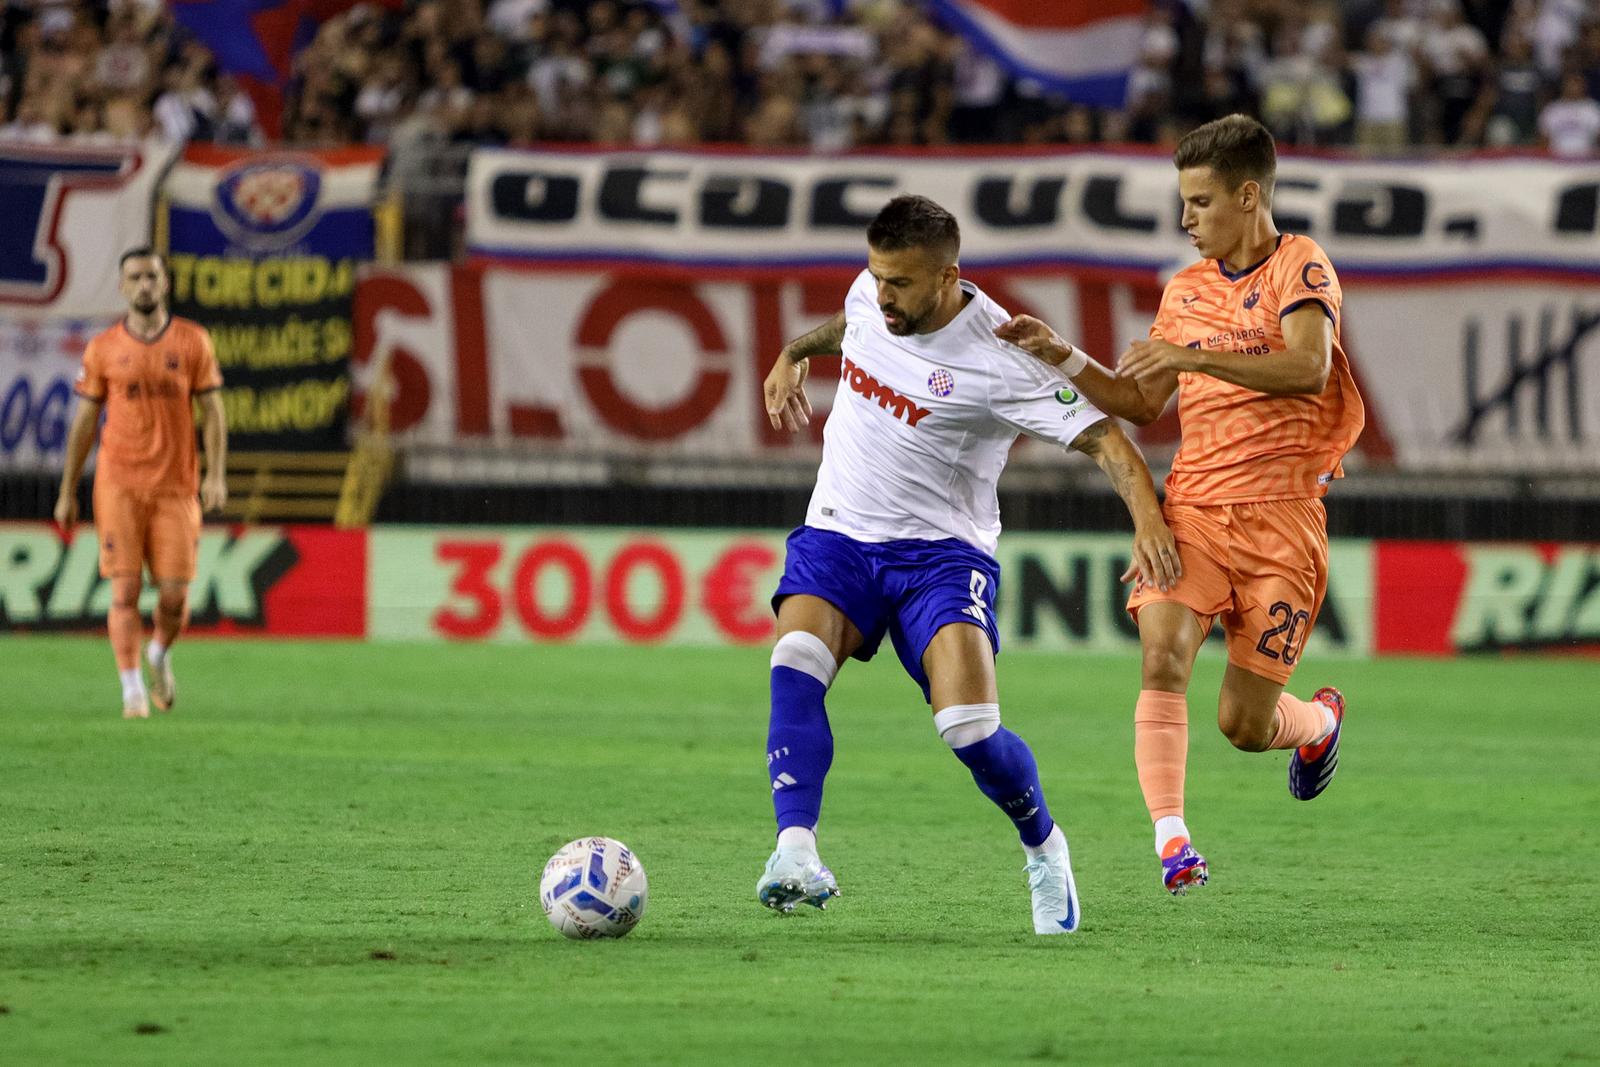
146 372
1248 337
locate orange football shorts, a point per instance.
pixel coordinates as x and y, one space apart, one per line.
1261 569
138 526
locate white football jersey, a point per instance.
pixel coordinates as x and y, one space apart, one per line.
922 424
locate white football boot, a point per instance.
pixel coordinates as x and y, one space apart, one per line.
1055 894
795 876
163 686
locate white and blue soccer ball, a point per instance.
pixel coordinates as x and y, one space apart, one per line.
593 887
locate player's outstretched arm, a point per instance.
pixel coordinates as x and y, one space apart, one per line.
1140 401
214 436
1155 552
784 390
79 439
1301 369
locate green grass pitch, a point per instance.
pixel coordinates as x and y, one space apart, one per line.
328 854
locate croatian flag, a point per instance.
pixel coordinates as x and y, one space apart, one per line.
1079 49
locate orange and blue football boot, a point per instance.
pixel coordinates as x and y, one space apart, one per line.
1311 767
1182 867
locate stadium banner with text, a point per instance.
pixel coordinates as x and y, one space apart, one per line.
555 360
39 358
1022 210
264 247
1445 598
295 581
68 213
1059 591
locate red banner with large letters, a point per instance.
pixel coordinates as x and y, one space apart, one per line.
555 361
666 362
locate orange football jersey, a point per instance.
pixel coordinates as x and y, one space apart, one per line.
148 441
1239 445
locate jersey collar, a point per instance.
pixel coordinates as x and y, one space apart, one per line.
123 322
966 311
1234 276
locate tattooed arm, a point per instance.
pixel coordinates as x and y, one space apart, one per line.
784 389
1155 553
823 341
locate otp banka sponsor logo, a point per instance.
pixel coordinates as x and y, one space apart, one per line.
268 203
902 407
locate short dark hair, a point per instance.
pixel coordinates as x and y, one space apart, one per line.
141 252
1237 148
915 222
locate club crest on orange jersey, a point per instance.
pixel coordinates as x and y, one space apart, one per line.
1252 298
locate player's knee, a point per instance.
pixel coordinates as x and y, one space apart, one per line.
961 725
1165 668
173 603
1244 731
807 653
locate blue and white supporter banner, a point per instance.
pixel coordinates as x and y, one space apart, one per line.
264 248
67 213
1022 210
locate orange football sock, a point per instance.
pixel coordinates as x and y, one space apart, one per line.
169 624
1300 722
1161 749
126 632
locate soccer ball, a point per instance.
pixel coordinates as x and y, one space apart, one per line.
593 887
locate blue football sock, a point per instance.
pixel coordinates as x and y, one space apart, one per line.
1004 768
799 747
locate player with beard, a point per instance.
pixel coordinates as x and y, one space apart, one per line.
146 372
900 535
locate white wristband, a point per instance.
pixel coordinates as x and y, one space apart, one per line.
1073 365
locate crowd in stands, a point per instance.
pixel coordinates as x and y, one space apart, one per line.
827 75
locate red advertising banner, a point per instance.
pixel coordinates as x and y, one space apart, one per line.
711 587
1447 598
298 581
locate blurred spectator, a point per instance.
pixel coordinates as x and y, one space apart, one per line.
125 65
1305 99
187 109
1401 24
384 96
1507 111
977 95
1455 54
1385 78
235 121
1554 30
30 123
1570 123
1586 58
